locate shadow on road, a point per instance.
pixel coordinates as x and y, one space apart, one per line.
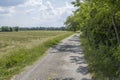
86 79
67 47
69 79
83 70
78 59
75 38
64 79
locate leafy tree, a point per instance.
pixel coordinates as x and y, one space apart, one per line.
10 29
99 23
5 29
16 28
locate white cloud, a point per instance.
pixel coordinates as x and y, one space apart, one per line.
1 9
7 11
44 11
38 12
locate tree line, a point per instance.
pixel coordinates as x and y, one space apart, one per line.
43 28
99 22
8 29
11 29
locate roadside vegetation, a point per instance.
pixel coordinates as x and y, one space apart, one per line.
99 22
20 49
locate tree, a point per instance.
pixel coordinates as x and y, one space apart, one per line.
10 29
99 23
5 29
16 28
72 23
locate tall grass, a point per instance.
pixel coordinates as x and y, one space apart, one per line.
14 62
27 39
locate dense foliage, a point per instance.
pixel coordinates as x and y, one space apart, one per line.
99 22
9 29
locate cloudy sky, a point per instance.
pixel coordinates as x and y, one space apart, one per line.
28 13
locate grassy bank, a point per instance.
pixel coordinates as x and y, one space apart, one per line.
14 62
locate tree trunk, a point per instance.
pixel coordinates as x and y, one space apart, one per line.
115 28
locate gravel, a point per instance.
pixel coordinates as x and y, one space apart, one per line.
64 61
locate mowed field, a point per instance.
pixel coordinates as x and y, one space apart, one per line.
24 39
20 49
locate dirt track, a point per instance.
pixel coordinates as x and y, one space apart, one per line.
62 62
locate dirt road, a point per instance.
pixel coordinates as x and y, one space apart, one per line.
62 62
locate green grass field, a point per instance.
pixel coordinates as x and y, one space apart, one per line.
20 49
15 40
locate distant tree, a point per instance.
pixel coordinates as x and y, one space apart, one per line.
10 29
16 28
4 28
43 28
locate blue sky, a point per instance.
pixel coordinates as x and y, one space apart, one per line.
32 13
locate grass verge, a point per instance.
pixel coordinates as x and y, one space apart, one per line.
17 60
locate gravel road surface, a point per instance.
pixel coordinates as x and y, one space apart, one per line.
64 61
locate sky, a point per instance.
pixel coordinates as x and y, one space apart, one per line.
33 13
